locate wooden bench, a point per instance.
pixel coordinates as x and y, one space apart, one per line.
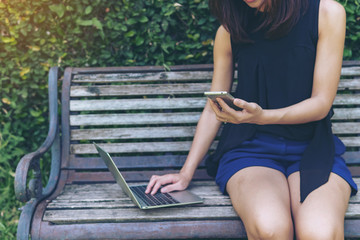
145 117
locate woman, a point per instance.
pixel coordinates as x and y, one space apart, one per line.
279 161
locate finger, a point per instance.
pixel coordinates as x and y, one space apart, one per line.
151 183
249 107
220 115
164 180
224 106
156 188
173 187
215 107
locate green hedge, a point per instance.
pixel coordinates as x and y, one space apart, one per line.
38 34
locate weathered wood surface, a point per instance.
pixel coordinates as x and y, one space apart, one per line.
176 146
134 119
107 203
137 104
169 76
133 133
169 118
173 132
138 90
144 77
141 147
167 103
350 71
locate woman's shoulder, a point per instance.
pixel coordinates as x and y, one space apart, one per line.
331 11
331 14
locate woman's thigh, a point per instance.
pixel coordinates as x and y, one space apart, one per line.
321 215
261 198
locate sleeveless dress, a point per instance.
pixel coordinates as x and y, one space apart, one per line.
275 74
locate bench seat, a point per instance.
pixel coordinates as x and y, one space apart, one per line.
105 203
145 117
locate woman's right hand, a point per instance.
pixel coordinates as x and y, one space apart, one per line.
171 182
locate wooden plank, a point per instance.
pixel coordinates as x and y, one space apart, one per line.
352 157
134 119
130 162
351 141
144 77
167 103
346 114
139 89
171 118
202 229
137 104
121 203
166 214
137 147
347 99
346 128
133 133
135 214
350 71
84 177
349 84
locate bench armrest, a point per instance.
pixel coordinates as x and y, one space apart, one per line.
32 160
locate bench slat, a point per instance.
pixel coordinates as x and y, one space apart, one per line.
181 146
350 84
350 71
170 118
134 214
346 114
346 128
139 89
170 132
134 119
347 99
137 104
168 103
351 141
133 133
144 77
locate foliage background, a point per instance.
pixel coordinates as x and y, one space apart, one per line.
38 34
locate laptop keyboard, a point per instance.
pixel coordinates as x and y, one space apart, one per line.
153 200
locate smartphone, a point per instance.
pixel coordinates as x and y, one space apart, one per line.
228 99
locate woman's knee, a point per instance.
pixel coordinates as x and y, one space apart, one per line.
270 228
320 230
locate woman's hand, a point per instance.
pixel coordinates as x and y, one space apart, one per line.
251 113
173 182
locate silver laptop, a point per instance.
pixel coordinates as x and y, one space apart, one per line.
137 193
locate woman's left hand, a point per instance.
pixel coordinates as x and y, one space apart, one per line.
250 113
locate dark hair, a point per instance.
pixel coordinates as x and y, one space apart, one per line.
278 19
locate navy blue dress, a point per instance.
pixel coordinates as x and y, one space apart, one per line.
277 73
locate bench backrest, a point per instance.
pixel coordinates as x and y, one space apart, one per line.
145 117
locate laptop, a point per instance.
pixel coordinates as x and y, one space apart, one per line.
138 195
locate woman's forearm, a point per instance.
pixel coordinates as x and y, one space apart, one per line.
206 131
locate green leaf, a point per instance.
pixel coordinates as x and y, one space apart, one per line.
88 10
139 41
82 22
59 9
131 21
35 113
130 34
97 23
143 19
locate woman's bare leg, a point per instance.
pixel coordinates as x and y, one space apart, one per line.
261 198
321 216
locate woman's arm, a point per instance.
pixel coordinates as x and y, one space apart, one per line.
207 126
332 25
